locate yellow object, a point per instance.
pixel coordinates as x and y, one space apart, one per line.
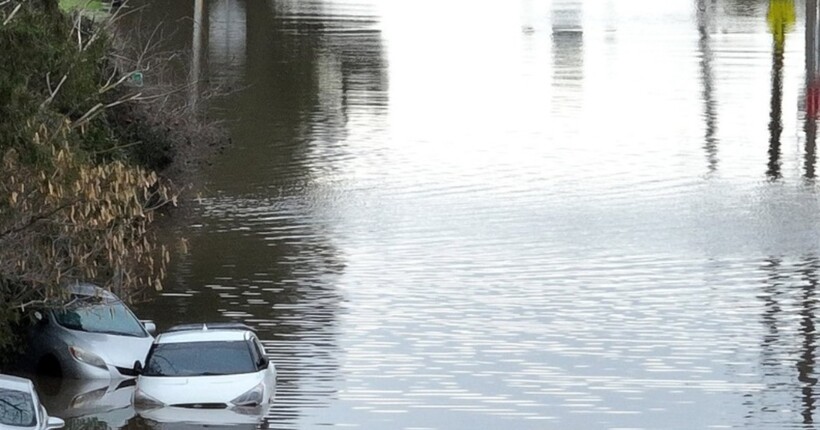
781 18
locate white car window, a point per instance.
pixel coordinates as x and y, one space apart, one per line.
17 408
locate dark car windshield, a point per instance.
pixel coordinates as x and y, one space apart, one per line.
16 408
96 315
199 359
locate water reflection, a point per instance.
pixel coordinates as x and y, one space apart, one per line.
262 262
812 100
426 244
744 8
171 418
86 404
790 289
705 15
227 33
196 50
808 358
568 54
781 17
311 71
260 249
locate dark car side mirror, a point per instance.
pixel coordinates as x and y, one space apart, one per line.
137 368
264 362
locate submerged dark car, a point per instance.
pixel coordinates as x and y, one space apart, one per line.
94 336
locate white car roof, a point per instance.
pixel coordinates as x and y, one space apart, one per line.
15 383
211 335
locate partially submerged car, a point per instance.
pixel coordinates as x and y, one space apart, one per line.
20 408
93 336
206 366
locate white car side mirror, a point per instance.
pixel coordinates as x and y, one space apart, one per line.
150 327
54 423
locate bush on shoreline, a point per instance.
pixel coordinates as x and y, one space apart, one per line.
78 188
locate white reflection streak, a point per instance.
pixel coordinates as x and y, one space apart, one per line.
566 16
197 49
227 34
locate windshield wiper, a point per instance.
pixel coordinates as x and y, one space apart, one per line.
115 333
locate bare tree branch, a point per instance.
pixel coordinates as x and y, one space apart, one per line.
53 92
35 220
11 15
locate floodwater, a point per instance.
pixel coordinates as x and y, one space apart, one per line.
452 214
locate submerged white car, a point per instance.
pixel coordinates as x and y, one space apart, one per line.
206 366
20 408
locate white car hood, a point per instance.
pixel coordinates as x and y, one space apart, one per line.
198 389
116 350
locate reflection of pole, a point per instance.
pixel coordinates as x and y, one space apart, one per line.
771 310
709 114
811 39
196 60
775 112
806 363
812 89
567 49
781 17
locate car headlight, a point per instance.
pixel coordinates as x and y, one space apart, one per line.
86 357
144 401
88 398
252 397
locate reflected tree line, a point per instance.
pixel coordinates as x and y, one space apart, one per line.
302 70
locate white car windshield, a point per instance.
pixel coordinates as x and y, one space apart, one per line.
16 408
199 359
100 316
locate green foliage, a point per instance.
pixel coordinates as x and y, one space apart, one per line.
40 48
75 198
54 67
69 5
155 150
9 341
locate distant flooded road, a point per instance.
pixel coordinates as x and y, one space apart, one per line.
459 215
